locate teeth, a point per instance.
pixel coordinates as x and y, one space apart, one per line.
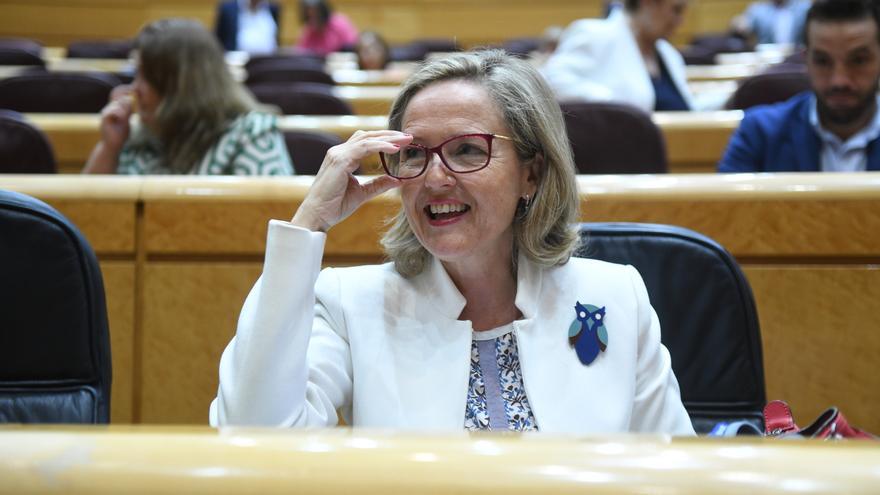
446 208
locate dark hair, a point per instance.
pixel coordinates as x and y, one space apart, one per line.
324 10
841 11
367 37
184 63
631 5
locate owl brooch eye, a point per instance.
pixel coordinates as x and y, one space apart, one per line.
587 333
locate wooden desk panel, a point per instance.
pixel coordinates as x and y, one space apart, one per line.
119 291
821 347
190 313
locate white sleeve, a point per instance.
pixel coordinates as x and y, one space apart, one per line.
289 363
657 406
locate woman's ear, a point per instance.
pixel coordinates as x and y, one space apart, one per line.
535 168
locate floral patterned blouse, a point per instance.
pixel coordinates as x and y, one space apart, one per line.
496 397
252 145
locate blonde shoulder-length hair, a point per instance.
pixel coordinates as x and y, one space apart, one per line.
546 233
185 64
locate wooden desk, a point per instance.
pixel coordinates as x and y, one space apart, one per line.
808 243
94 461
695 141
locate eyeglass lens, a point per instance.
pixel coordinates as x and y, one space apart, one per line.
461 154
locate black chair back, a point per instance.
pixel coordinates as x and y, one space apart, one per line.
54 341
287 69
614 138
57 92
773 86
282 61
18 51
115 49
707 315
301 98
307 149
24 149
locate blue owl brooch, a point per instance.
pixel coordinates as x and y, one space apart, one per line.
587 333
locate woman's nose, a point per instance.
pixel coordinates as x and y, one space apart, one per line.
437 174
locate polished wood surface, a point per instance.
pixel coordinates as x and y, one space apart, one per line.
58 22
695 141
809 244
95 460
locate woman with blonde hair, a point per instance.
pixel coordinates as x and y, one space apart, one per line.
470 324
194 118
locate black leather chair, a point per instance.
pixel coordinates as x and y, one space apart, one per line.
307 149
707 315
57 92
614 138
24 149
288 70
776 84
301 98
115 49
54 341
281 61
18 51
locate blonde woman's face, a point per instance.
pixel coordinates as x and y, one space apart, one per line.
462 218
146 98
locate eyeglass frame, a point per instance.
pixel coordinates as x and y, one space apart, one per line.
436 150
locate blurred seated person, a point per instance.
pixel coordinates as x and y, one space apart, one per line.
773 21
482 319
251 26
324 31
835 126
193 117
624 58
373 52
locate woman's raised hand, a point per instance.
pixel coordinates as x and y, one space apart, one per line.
336 193
115 118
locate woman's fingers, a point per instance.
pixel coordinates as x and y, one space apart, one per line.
349 154
378 185
336 193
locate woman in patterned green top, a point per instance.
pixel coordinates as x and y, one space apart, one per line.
194 118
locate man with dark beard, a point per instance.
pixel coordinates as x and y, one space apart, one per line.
835 126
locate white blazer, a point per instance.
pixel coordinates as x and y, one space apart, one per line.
387 351
599 60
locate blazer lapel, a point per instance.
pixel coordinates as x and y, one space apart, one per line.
805 142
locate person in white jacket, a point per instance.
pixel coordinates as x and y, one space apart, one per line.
624 58
481 320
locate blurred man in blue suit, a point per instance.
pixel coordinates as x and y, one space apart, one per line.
835 126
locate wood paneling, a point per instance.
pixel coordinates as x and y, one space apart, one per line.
57 22
768 227
119 289
190 313
821 345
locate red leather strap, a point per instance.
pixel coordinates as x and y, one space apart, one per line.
778 419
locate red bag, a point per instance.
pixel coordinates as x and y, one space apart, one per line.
831 424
